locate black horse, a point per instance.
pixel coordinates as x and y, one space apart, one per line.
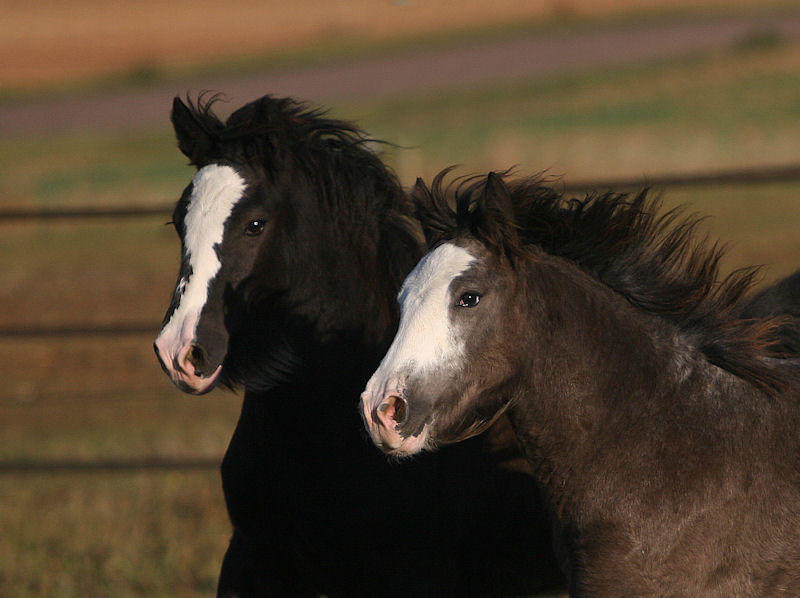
296 238
661 423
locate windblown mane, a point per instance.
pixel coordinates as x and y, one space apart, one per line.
286 138
653 258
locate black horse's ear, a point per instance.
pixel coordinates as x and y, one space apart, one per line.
420 189
195 131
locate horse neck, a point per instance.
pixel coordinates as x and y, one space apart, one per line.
369 292
605 384
353 311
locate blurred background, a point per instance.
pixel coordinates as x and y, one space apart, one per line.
108 475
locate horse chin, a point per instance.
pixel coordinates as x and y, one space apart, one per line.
411 445
392 443
197 385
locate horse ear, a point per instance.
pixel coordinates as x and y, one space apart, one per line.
196 139
425 210
495 214
497 198
420 195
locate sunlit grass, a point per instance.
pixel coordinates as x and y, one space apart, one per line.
149 420
98 271
722 110
260 42
706 111
98 169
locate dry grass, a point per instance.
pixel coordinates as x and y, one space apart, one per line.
156 535
115 423
89 398
127 267
163 534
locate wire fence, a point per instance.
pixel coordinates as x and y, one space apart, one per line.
83 213
738 177
25 466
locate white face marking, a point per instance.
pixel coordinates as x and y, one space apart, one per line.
215 191
425 339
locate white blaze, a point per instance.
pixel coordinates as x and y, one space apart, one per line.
215 191
425 339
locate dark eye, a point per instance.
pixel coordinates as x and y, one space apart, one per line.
469 300
256 227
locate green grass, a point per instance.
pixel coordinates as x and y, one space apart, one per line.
705 111
65 397
700 112
102 169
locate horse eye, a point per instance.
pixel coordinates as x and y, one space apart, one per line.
256 227
469 300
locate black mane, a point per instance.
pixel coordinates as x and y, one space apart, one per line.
651 257
284 137
265 128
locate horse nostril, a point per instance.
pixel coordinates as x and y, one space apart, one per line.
197 357
394 408
400 410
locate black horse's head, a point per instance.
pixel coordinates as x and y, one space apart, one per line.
281 230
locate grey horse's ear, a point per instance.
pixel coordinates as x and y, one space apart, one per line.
497 197
196 131
494 216
425 210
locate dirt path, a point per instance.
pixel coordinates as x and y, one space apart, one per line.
407 72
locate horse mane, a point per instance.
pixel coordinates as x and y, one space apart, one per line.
653 258
286 137
266 127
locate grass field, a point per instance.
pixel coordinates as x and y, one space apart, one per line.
734 108
163 534
153 534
